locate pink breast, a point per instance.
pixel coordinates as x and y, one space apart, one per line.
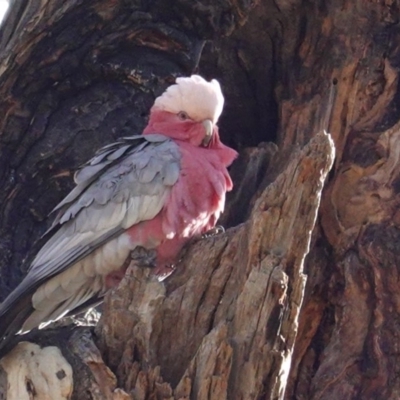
192 207
198 198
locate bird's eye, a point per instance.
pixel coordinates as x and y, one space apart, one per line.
183 116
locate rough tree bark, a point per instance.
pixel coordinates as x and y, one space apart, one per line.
295 300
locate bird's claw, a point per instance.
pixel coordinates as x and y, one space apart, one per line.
217 230
143 257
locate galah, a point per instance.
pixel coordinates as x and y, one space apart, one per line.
153 191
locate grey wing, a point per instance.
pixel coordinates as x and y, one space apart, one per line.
125 183
111 195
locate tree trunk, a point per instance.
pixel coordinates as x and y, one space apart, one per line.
298 299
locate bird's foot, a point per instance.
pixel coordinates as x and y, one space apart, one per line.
148 259
217 230
143 257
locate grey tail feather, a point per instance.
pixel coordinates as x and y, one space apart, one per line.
13 316
11 321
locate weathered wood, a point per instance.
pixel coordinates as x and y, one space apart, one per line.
75 75
33 371
347 342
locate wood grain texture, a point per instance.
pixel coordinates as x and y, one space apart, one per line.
346 346
227 323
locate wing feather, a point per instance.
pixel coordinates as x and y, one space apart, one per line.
117 197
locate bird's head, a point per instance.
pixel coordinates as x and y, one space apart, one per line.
188 111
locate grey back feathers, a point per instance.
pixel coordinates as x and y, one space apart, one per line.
114 191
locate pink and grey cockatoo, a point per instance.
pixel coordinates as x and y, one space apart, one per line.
152 191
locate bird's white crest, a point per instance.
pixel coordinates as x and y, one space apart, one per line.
198 98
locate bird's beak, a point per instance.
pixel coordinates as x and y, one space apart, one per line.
209 128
